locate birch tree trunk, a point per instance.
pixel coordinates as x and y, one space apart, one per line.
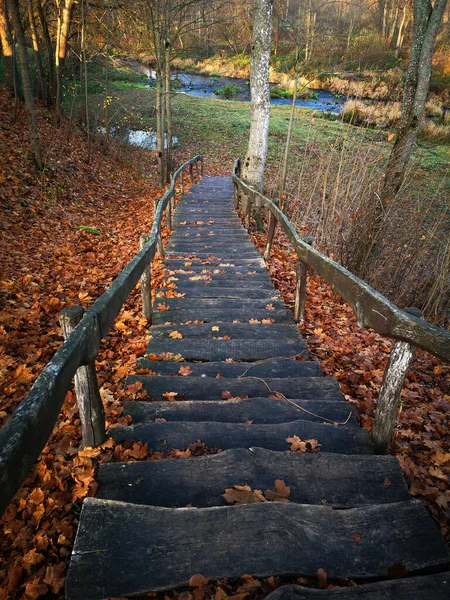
26 83
427 20
255 159
64 19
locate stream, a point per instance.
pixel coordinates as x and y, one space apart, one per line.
204 86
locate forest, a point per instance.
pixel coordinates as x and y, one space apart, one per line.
100 102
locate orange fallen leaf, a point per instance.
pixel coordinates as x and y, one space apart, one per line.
281 492
243 494
185 371
176 335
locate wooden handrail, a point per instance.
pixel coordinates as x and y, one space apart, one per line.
371 308
30 426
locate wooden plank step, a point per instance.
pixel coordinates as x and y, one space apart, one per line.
201 290
248 331
258 411
195 388
223 255
327 479
222 314
272 368
342 439
247 282
230 303
127 549
240 266
436 587
207 350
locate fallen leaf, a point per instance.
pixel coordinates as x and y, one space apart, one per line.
185 371
176 335
198 580
281 492
243 494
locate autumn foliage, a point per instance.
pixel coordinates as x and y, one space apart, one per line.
66 233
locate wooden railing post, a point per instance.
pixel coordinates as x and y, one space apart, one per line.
201 166
159 244
401 357
270 234
248 211
182 182
90 405
146 285
300 287
191 172
169 214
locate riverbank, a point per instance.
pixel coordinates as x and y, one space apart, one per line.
375 85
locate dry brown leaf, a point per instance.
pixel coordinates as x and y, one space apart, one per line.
175 335
185 371
243 494
198 580
280 494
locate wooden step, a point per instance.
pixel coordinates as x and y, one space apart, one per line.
272 368
195 388
342 439
230 303
327 479
247 331
203 290
258 411
127 549
435 587
216 314
208 350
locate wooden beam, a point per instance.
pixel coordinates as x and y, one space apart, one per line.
90 405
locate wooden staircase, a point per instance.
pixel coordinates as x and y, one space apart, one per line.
154 524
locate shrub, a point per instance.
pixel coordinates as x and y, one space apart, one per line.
227 91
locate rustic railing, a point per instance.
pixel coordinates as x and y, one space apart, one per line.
29 428
372 310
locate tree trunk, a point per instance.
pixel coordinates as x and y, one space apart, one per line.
26 83
37 55
7 47
168 110
255 160
427 20
64 19
51 85
400 33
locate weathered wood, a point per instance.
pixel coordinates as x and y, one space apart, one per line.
272 368
342 439
28 429
327 479
300 288
192 388
202 290
256 411
201 304
124 549
159 243
169 215
90 404
249 350
146 291
371 308
436 587
388 404
221 313
243 331
191 173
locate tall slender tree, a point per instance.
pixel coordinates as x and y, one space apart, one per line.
427 20
13 7
255 159
7 46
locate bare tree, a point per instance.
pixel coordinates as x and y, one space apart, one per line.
427 20
255 159
26 82
7 47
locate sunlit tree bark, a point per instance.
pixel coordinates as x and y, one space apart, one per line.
7 47
13 7
255 159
